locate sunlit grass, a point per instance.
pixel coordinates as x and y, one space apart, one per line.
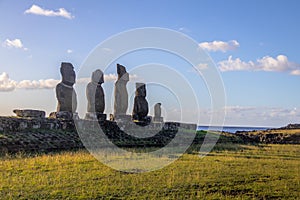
263 172
277 131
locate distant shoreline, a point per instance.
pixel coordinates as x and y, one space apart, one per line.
233 129
236 129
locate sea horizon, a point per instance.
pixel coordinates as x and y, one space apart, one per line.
233 128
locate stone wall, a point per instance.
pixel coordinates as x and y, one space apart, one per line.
48 134
14 124
37 135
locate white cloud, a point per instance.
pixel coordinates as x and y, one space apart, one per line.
220 45
296 72
107 78
238 108
134 77
267 63
282 113
110 77
40 84
15 43
83 80
255 116
69 51
280 63
36 10
6 84
235 65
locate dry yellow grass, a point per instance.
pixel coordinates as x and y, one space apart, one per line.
277 131
259 172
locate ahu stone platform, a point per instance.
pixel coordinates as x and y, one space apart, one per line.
49 135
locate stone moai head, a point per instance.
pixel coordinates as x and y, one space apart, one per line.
157 105
122 74
140 89
97 77
67 73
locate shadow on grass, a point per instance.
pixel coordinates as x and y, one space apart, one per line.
226 142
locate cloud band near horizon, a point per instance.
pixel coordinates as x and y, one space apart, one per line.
8 85
266 63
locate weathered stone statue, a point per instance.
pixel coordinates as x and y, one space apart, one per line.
157 110
140 107
121 95
95 97
157 113
65 93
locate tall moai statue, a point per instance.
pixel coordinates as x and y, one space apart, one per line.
65 93
95 97
157 113
140 106
120 92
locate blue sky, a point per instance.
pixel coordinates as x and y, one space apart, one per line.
254 44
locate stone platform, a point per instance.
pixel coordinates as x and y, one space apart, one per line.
48 134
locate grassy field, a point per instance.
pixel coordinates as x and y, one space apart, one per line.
282 131
248 172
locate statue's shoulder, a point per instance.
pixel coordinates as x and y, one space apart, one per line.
91 84
59 85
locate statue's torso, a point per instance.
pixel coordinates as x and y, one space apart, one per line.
95 95
140 106
66 97
121 98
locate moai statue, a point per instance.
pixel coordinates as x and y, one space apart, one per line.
65 93
121 94
157 113
95 97
140 107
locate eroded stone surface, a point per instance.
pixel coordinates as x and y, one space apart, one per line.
95 116
140 107
29 113
157 113
48 135
120 91
65 93
95 94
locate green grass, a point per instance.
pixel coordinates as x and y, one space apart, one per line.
247 172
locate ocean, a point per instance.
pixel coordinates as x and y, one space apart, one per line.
232 129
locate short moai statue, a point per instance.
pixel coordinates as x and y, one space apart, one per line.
95 97
65 93
157 113
121 94
140 107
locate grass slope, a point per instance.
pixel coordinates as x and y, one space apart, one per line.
247 172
